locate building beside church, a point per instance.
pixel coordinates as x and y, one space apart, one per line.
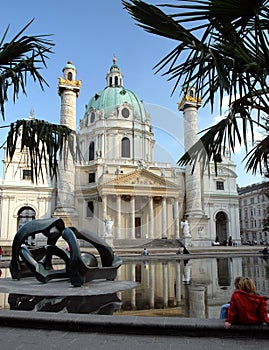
253 212
117 190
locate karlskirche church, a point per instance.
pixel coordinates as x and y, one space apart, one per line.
117 190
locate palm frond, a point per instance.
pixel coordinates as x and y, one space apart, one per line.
44 142
258 157
222 48
232 130
22 56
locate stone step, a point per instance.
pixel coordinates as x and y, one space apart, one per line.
149 243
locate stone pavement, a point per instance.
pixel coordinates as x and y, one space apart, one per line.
32 339
42 330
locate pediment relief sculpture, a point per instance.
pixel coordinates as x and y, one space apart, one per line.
142 177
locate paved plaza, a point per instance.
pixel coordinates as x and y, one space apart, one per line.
32 339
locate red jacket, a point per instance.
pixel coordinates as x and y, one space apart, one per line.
246 308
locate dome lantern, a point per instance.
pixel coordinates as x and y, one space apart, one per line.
114 77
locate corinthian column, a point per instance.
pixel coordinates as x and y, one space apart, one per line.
132 217
164 224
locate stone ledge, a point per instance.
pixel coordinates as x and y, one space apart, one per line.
190 327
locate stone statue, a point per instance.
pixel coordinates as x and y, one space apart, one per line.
108 227
185 228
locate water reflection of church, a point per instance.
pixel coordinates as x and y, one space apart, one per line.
118 180
188 288
182 288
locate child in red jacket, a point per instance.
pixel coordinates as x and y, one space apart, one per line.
246 306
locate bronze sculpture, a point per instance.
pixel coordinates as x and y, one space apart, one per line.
79 267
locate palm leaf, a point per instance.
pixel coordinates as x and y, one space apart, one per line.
221 48
44 143
227 133
258 157
20 57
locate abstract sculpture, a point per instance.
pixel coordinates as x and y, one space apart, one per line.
79 267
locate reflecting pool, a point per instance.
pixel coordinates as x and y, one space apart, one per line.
188 288
175 288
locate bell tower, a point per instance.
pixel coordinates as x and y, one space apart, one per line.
68 90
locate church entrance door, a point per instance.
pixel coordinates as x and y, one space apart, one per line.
221 227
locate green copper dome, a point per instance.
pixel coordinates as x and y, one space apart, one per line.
115 95
111 97
69 65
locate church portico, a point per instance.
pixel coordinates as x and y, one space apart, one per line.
140 216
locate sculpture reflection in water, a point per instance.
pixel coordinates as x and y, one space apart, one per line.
104 304
79 267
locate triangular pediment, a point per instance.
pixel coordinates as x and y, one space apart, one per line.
142 178
223 171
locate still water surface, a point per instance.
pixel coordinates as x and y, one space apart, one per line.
175 288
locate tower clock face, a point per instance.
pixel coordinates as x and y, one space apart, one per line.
92 117
125 112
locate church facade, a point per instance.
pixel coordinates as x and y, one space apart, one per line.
117 190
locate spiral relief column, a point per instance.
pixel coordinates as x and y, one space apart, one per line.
68 90
194 207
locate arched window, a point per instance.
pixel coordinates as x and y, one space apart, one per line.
110 81
69 76
91 151
125 147
116 81
25 214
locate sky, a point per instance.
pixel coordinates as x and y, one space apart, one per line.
90 33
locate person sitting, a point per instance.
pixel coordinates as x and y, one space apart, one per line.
145 252
224 308
246 306
265 250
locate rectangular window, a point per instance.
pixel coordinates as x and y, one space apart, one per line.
220 185
90 209
26 174
91 177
